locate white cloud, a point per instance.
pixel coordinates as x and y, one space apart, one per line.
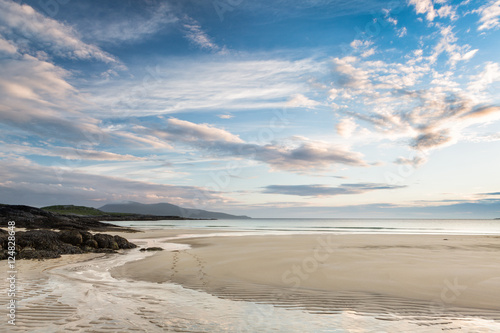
300 100
368 53
203 84
361 44
448 44
37 99
479 84
225 116
7 46
298 155
489 15
447 11
424 7
198 37
69 153
392 20
346 127
22 21
187 131
427 7
387 95
402 32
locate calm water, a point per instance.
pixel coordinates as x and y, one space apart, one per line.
406 226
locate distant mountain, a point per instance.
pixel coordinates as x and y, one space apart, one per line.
76 210
166 209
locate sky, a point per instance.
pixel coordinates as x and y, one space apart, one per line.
273 108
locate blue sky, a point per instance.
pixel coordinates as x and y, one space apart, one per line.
265 108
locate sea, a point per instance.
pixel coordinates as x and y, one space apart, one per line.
335 225
103 303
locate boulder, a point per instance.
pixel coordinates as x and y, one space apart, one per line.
105 241
123 243
152 249
86 236
73 237
91 243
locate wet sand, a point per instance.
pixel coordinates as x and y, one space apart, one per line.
289 283
451 271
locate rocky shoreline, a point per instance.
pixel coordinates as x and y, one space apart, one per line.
50 235
48 244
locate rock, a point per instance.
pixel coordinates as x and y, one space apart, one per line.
72 237
152 249
86 236
38 239
42 244
123 243
105 241
91 243
3 239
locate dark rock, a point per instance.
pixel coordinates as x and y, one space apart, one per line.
106 241
3 239
91 243
152 249
43 244
123 243
38 239
86 236
72 237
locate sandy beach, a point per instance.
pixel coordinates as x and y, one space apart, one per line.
426 282
453 270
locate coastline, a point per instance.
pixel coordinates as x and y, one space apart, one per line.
394 278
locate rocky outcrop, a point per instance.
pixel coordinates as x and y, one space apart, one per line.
149 249
43 244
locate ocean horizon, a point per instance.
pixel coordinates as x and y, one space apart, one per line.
336 225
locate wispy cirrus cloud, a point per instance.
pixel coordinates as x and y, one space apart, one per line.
69 153
196 35
113 24
317 190
207 83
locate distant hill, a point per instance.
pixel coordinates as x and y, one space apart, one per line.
36 218
166 209
78 210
